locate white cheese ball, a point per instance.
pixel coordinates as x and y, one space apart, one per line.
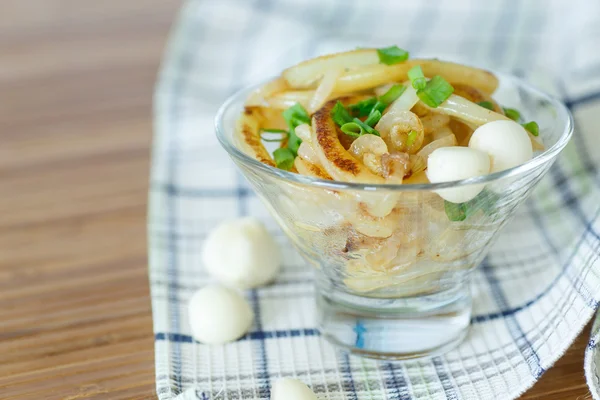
291 389
241 253
218 315
455 163
506 142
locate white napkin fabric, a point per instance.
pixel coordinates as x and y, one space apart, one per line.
535 291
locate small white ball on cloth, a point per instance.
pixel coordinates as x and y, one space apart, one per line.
506 142
456 163
291 389
241 253
218 314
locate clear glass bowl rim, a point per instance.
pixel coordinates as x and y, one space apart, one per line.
547 156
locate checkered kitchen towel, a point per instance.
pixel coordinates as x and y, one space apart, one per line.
533 294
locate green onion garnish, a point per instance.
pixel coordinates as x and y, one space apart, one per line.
281 139
284 158
283 134
366 107
388 98
392 94
412 136
293 142
392 55
486 201
339 114
379 106
417 78
363 108
454 211
352 129
366 127
513 114
274 130
294 116
486 104
533 128
435 92
373 118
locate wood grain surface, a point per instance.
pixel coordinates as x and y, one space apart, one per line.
76 80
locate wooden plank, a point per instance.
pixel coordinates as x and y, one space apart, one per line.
77 79
75 125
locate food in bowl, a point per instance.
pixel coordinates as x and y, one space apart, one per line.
375 116
410 107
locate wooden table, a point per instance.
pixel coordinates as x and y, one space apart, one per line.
76 80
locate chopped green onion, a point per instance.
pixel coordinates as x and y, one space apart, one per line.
454 211
435 92
513 114
297 121
373 118
366 127
293 142
272 140
392 55
274 130
486 201
363 108
392 94
294 116
284 158
352 129
533 128
367 106
339 114
417 78
282 132
486 104
297 115
412 136
379 106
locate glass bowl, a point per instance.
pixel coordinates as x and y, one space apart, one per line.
393 262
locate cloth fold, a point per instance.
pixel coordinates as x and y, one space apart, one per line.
535 291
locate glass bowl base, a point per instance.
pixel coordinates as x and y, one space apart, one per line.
395 329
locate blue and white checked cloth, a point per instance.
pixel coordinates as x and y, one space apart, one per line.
533 294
